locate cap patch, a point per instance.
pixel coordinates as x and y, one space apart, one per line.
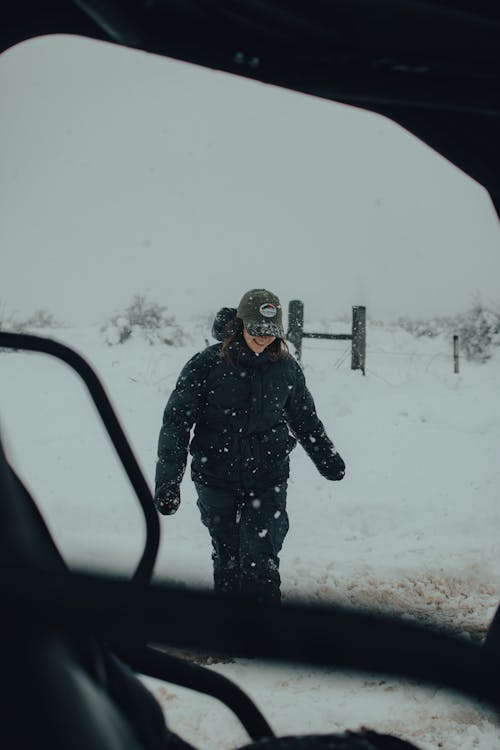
268 310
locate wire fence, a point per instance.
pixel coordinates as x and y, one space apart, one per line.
341 354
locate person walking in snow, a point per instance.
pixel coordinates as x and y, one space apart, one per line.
248 402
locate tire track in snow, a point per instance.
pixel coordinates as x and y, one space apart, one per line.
463 603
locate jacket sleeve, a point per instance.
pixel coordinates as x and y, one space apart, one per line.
309 430
181 412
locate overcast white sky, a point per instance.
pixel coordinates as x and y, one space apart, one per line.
128 173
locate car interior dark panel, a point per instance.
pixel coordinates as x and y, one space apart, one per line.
80 640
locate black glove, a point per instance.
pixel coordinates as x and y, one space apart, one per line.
333 468
168 499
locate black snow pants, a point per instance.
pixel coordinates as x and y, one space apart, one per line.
247 531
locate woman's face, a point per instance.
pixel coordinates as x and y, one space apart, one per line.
257 343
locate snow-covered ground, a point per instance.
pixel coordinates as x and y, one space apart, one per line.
413 528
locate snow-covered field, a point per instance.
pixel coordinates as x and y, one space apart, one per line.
413 528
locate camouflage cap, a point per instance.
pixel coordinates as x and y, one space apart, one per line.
261 313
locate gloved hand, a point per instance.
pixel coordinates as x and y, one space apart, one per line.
333 468
167 499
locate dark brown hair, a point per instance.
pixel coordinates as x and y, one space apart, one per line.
234 343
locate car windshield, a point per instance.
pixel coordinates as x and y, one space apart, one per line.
139 196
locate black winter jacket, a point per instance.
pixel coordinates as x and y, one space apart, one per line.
247 418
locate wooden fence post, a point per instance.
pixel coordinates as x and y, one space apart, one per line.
296 333
358 354
296 325
456 368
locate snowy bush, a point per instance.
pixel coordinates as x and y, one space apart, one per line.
143 320
478 330
420 327
7 320
41 318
